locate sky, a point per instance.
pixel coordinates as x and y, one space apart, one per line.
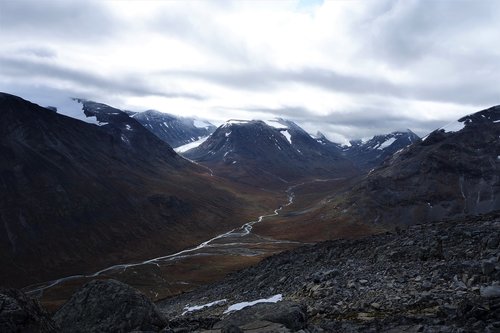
349 69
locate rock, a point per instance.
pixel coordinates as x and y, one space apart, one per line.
368 294
108 306
20 313
426 285
231 328
264 327
493 241
325 275
291 315
490 292
487 267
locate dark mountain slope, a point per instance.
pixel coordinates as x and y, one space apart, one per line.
75 198
268 153
173 130
126 129
453 172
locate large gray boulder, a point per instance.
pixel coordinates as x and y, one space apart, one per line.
20 313
109 306
290 315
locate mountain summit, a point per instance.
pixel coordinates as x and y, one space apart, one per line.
274 151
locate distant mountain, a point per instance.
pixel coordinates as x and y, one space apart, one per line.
76 197
119 124
268 153
454 171
368 154
174 130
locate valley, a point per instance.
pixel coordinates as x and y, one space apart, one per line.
172 225
213 259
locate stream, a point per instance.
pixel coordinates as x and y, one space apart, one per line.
239 241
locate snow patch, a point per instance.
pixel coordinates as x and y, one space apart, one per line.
228 134
275 123
128 127
188 308
366 139
74 109
125 139
235 121
242 305
287 136
386 143
190 145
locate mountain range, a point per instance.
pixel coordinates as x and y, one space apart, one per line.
173 130
78 196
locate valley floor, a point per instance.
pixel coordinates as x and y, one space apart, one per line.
265 235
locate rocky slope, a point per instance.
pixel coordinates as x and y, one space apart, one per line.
453 172
268 153
439 277
435 277
76 197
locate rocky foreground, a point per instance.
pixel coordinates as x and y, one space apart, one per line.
438 277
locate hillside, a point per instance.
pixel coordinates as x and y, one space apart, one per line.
77 197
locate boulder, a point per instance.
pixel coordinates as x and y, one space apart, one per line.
289 314
20 313
109 306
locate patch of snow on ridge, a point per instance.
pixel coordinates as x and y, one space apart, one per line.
287 136
275 123
242 305
237 121
386 143
188 308
190 145
72 108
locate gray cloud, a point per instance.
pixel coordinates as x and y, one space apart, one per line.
472 92
38 51
29 69
57 19
404 31
356 123
202 31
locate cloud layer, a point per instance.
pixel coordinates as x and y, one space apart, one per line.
347 68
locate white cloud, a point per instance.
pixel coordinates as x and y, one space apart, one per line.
396 64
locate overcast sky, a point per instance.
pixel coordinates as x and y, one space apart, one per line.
350 69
